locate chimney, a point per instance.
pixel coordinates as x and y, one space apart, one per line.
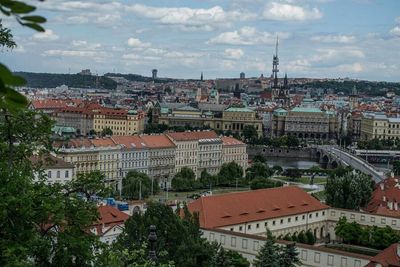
382 186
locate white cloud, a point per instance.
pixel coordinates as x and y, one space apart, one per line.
343 39
85 45
190 18
288 12
74 53
234 53
329 54
352 68
395 31
247 36
135 42
397 20
48 35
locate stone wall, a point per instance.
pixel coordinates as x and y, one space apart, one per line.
303 153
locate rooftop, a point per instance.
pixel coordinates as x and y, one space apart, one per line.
308 110
235 109
191 136
240 207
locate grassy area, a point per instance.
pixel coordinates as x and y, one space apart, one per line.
305 180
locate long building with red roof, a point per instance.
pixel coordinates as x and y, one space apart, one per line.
281 210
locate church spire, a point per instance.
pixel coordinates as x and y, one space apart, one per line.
201 77
275 63
285 81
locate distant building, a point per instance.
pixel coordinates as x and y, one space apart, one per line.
55 169
305 122
354 125
242 75
379 126
353 99
110 225
385 199
389 257
154 74
85 72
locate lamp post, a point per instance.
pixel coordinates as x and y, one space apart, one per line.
152 240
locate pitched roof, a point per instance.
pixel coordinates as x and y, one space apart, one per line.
239 207
109 217
192 136
230 141
130 142
385 191
387 258
157 141
103 142
51 162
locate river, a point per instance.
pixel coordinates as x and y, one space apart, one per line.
287 163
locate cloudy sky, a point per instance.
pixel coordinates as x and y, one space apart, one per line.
317 38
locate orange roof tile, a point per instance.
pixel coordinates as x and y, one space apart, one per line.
387 258
103 142
239 207
385 191
230 141
157 141
192 136
130 142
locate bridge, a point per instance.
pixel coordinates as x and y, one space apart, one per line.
333 156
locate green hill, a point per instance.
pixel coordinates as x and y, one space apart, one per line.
51 80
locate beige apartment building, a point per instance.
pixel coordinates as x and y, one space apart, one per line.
197 150
234 150
379 126
121 122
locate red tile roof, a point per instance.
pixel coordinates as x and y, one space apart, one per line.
385 191
109 216
103 142
192 136
157 141
387 258
240 207
230 141
130 142
49 161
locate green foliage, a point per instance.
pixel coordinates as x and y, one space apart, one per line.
277 169
6 37
19 10
179 237
51 80
230 173
282 141
293 173
396 167
272 255
261 182
250 134
258 169
236 259
310 237
137 185
378 144
348 190
139 78
106 132
184 180
374 237
207 180
303 237
259 158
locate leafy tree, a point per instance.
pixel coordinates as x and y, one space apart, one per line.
137 185
180 238
277 169
6 37
230 173
237 260
352 190
106 131
293 173
292 141
249 133
207 180
302 238
92 132
261 182
184 180
310 237
259 158
396 167
258 169
221 259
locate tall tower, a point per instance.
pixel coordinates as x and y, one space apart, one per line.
201 77
353 99
154 74
280 94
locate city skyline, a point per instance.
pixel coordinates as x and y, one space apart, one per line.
318 38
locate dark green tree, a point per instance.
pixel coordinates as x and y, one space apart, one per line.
396 167
230 174
269 254
259 158
352 190
137 185
106 131
310 237
184 180
237 260
277 169
6 38
261 182
290 256
293 173
258 169
180 238
302 238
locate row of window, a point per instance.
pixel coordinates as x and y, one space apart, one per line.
58 174
362 218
